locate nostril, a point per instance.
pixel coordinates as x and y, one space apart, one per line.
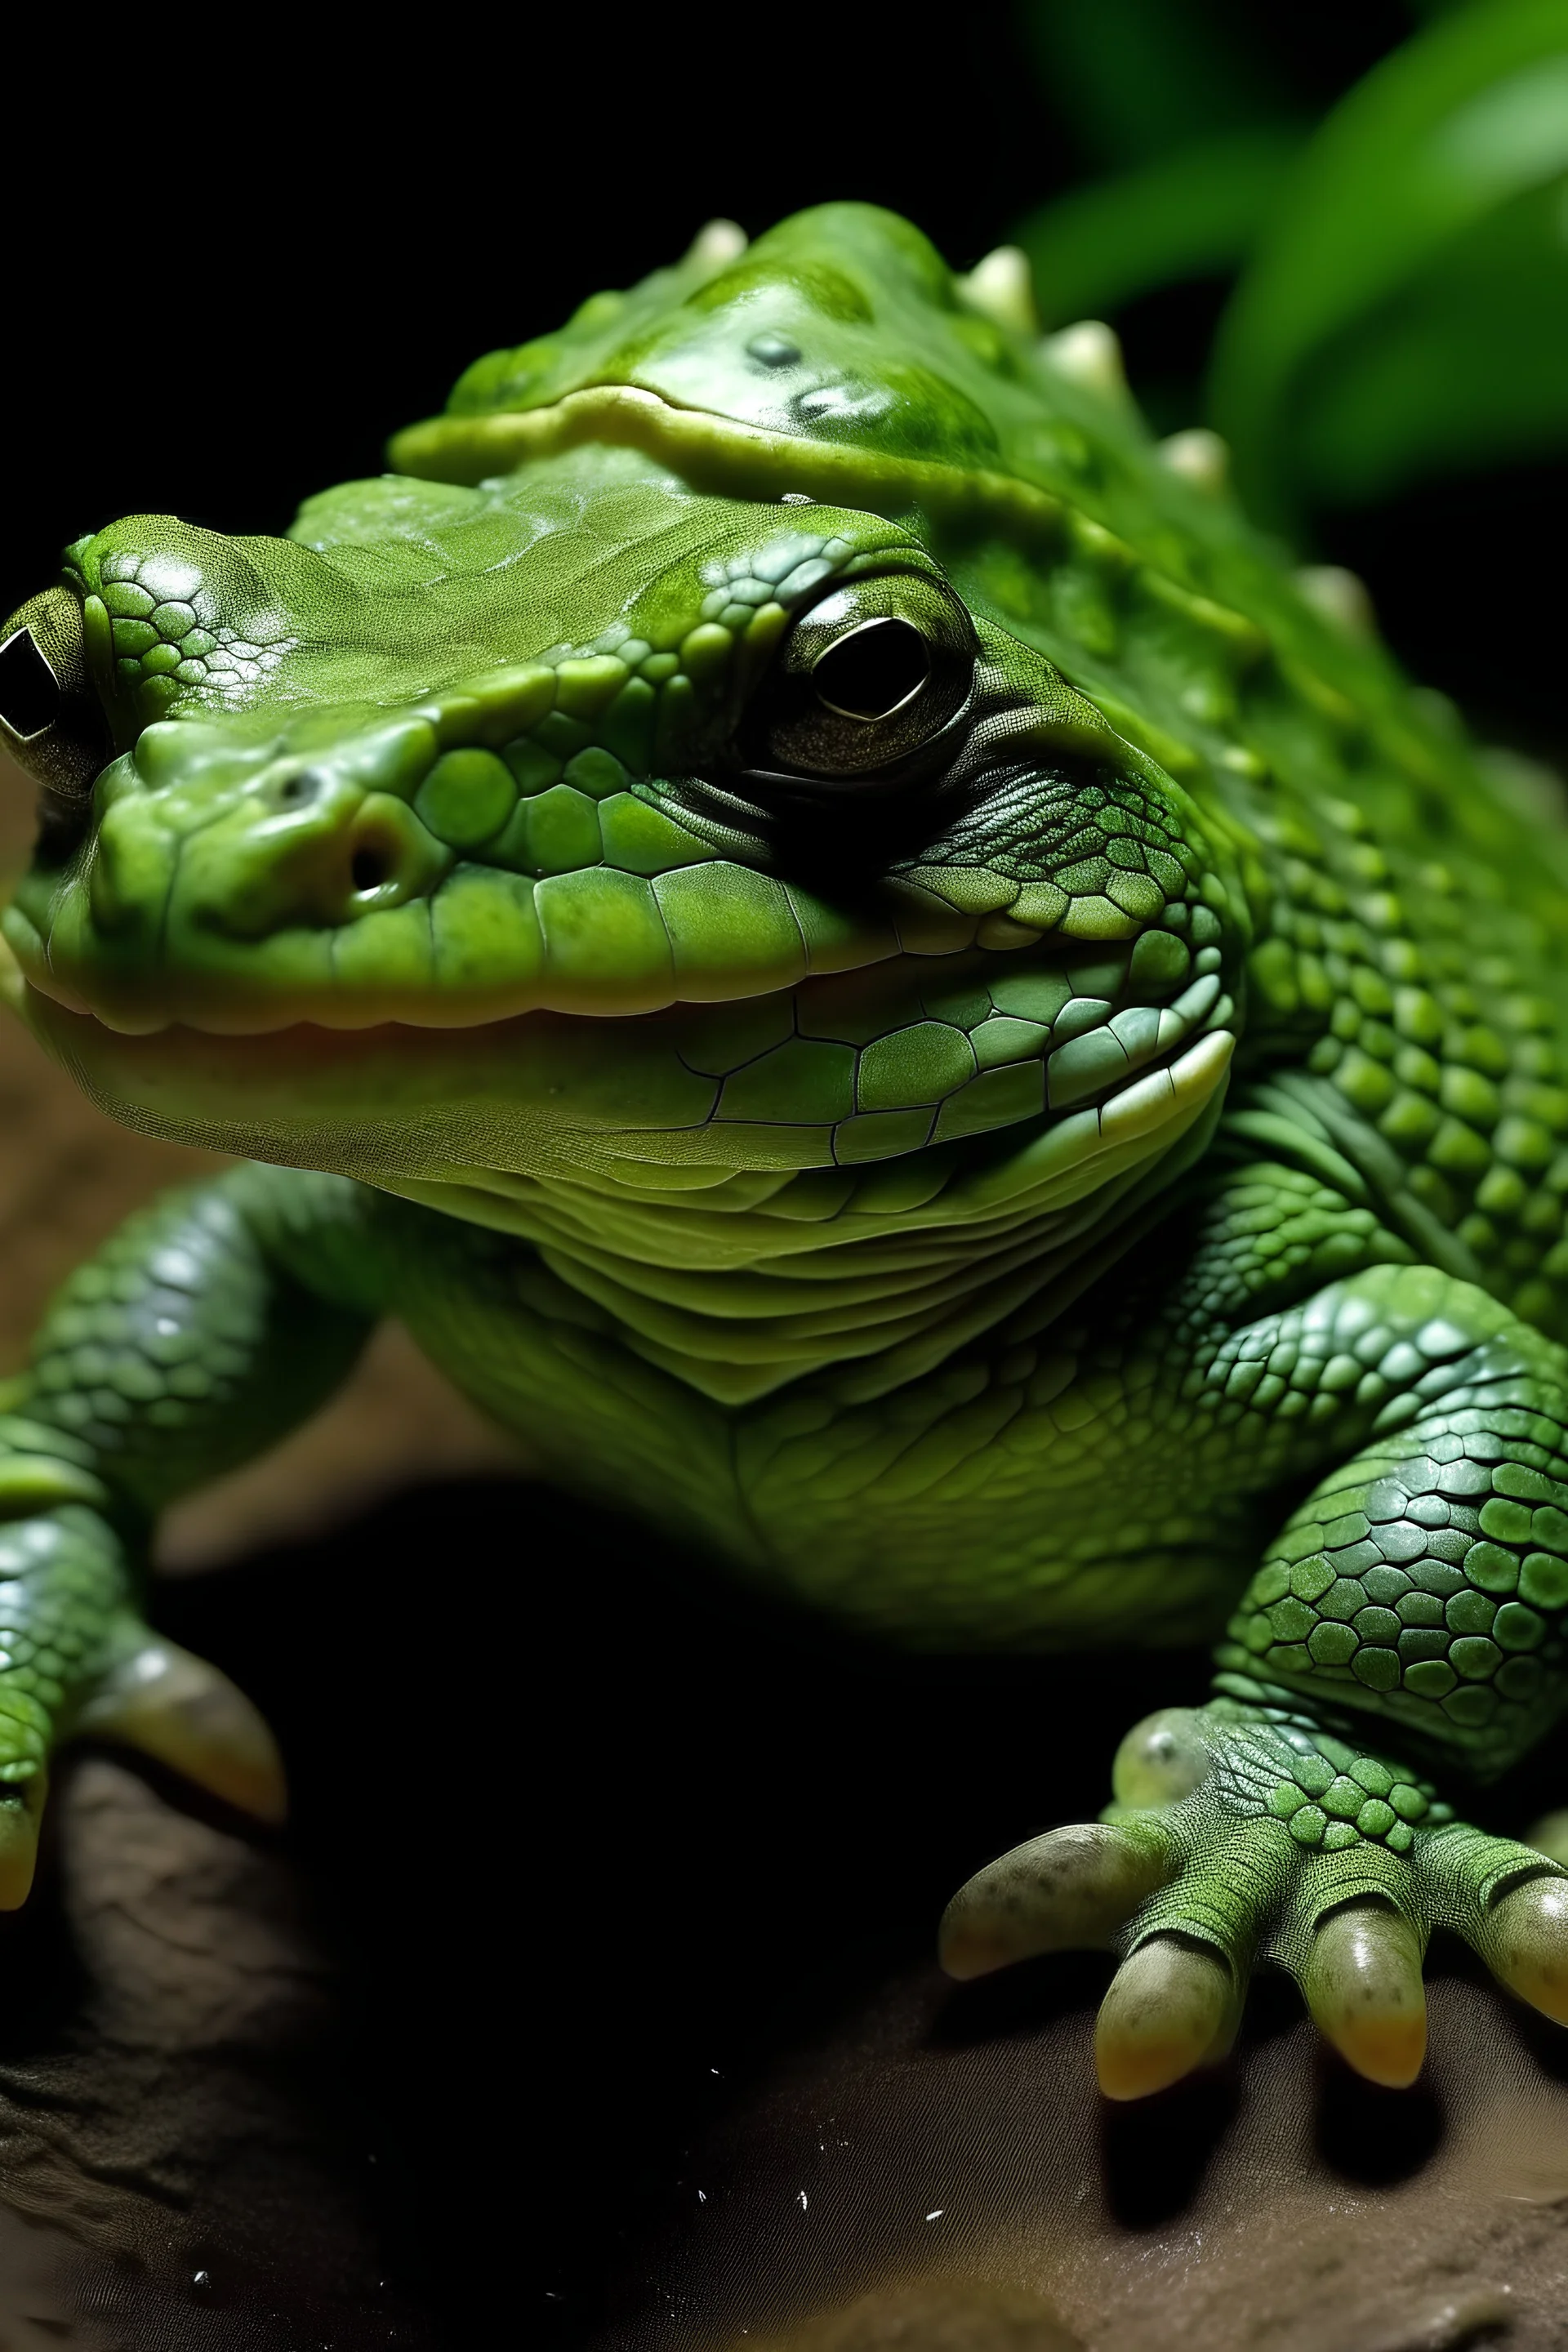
299 790
359 860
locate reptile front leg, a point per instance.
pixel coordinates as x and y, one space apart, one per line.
207 1327
1423 1584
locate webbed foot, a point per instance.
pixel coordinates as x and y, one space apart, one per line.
1240 1834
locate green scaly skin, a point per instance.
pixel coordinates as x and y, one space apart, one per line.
976 1161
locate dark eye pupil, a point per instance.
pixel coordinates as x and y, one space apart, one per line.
873 671
29 692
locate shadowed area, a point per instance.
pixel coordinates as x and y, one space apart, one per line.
179 2165
737 2103
782 1844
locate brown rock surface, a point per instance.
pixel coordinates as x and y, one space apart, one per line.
171 2179
941 2316
1280 2209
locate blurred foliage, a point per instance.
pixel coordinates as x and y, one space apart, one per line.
1397 266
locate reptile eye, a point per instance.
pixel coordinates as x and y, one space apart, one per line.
865 680
51 721
29 692
873 672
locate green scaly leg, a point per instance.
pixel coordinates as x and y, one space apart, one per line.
1425 1582
203 1331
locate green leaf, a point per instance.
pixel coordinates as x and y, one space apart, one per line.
1195 213
1408 305
1133 79
1467 366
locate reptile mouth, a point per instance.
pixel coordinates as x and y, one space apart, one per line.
1087 1079
464 1131
1088 1015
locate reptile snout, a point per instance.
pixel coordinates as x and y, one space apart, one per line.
304 846
292 842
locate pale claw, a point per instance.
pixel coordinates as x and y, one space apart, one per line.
21 1811
1525 1942
1071 1888
1362 1983
183 1713
1172 2007
1279 1842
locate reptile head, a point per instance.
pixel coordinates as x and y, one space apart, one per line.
598 818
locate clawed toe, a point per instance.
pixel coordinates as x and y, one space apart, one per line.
1362 1983
21 1811
1173 2006
1201 1867
1524 1941
186 1714
1071 1889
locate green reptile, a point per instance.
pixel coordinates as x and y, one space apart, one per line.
861 962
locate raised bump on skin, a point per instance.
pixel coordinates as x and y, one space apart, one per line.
1090 354
1199 455
1072 1888
716 243
1001 287
1161 1759
1339 597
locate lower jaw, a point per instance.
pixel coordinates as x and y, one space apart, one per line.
453 1113
365 1102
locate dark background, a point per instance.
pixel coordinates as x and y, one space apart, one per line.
656 1833
248 253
